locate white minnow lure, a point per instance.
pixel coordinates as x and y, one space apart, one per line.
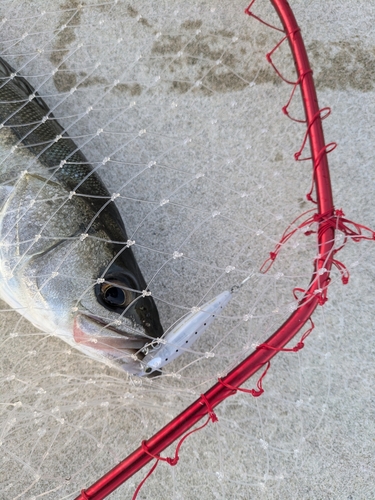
184 334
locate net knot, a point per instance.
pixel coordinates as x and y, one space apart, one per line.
294 32
258 392
342 269
254 392
208 405
300 345
173 461
251 14
322 298
303 73
273 255
170 460
264 346
309 197
232 389
339 212
317 217
319 294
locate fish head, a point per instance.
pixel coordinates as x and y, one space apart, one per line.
73 282
109 316
117 316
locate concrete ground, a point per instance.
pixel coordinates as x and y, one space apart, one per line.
186 85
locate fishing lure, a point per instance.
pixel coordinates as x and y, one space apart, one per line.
163 351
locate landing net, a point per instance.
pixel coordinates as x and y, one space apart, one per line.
181 114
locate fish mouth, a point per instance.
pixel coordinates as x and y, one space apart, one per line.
95 333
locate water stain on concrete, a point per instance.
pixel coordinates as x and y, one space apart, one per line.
343 65
144 21
133 89
209 62
191 25
91 80
302 202
64 79
204 62
132 12
225 33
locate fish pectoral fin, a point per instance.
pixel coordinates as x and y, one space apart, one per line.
5 192
34 185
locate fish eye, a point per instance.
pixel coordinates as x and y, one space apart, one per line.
115 294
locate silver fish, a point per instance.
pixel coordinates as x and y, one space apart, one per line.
65 260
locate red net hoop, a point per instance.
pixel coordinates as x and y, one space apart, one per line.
327 219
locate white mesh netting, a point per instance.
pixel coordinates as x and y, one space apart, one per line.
177 108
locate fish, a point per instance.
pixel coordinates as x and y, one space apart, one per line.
66 263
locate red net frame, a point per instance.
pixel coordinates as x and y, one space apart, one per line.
327 219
